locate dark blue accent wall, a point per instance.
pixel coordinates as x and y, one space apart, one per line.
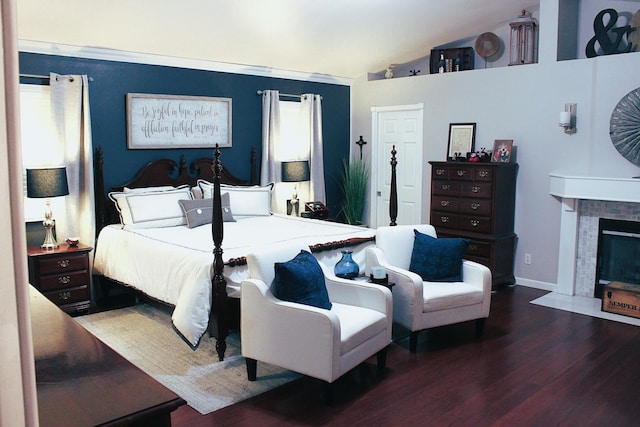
113 80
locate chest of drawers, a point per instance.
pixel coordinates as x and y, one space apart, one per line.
62 275
477 201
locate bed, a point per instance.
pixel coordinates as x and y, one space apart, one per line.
186 267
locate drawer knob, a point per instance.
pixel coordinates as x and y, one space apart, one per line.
446 187
444 219
474 222
483 173
63 263
64 295
475 189
473 248
461 172
439 172
444 203
475 206
63 280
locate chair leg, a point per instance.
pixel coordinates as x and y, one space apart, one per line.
382 358
252 368
413 341
480 327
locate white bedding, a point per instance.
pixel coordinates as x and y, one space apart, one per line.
173 264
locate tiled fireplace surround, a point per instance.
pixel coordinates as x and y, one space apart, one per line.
584 201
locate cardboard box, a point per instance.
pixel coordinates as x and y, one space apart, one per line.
622 298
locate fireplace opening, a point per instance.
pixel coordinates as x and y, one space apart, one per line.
618 253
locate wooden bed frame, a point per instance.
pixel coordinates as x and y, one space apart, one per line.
168 172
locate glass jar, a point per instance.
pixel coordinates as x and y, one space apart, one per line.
346 268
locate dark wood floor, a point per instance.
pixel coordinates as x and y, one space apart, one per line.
534 366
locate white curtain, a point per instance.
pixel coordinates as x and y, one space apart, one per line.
269 171
312 112
71 116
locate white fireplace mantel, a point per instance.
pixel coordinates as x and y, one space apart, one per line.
573 188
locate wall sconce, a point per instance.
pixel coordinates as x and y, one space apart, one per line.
568 118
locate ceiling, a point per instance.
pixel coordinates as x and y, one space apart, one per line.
345 38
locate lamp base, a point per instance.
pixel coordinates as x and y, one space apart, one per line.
293 207
49 241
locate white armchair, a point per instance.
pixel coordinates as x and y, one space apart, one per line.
419 305
320 343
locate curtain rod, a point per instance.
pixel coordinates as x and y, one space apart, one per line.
38 76
260 92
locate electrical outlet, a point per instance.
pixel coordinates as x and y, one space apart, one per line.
527 259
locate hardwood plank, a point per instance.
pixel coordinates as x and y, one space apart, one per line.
533 366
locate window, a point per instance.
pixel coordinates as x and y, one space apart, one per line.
293 143
39 147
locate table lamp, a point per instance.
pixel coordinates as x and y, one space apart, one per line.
47 183
295 171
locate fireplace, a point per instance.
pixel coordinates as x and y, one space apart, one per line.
618 256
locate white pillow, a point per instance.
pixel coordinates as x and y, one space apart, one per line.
243 200
149 189
151 209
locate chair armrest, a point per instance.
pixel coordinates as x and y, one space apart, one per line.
361 294
286 333
476 274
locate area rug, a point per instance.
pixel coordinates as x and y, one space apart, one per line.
144 335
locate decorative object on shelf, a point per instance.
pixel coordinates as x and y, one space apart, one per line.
389 73
47 183
355 178
451 59
346 268
634 36
607 36
360 143
479 156
522 47
295 171
568 118
502 149
414 72
487 45
441 63
461 140
624 126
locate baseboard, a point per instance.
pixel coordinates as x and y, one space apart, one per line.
552 287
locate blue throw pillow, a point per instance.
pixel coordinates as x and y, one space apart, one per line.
301 280
438 260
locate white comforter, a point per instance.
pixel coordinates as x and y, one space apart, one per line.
173 264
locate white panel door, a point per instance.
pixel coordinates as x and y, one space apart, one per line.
400 126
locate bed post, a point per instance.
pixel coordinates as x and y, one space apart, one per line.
393 197
254 173
98 184
219 316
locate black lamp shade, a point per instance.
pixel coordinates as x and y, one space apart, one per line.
47 182
295 171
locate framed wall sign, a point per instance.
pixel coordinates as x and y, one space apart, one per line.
461 139
174 121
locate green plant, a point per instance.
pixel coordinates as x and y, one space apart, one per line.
355 177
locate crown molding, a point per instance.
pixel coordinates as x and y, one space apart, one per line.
87 52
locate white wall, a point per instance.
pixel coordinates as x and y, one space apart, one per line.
520 103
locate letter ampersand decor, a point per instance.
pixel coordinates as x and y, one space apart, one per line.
608 45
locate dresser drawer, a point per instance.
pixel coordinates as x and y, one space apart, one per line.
483 174
441 172
477 189
480 207
445 204
477 224
445 220
448 188
60 264
479 249
69 295
461 173
64 280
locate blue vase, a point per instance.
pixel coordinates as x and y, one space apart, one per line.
346 268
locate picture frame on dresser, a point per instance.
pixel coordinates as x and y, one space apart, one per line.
461 140
502 150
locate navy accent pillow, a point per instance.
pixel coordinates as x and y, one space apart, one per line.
438 260
301 280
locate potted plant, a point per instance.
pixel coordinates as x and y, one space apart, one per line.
355 178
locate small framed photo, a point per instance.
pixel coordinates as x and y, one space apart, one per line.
502 149
461 140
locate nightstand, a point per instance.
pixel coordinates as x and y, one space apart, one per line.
62 275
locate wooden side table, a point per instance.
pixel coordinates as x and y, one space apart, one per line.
62 275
